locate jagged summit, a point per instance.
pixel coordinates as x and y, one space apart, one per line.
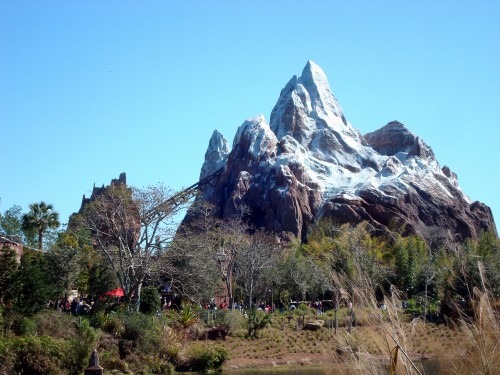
308 111
310 162
395 137
216 154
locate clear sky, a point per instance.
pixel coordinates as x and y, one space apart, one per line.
89 89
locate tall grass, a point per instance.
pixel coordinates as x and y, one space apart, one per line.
480 353
389 334
394 334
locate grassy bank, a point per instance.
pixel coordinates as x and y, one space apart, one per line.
52 342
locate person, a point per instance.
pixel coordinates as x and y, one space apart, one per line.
74 306
319 306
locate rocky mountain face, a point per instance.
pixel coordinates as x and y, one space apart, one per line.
309 162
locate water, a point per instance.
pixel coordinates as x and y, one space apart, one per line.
431 367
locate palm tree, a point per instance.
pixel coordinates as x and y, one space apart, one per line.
40 218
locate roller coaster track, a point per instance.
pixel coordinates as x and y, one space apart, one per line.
185 195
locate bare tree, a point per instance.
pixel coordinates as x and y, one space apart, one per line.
255 255
132 229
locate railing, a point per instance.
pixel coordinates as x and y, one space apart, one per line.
185 195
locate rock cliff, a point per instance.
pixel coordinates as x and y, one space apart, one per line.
310 162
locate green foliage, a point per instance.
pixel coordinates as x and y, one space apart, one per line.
410 254
159 366
81 347
202 357
55 324
257 320
39 281
36 355
234 320
186 316
150 300
47 355
8 275
22 325
40 218
11 221
111 323
135 324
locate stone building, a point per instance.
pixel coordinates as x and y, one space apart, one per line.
15 243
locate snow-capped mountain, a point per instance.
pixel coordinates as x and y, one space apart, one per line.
310 162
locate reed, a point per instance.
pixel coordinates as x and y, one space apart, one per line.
481 334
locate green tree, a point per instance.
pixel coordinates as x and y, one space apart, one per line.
40 218
11 221
39 281
8 275
410 255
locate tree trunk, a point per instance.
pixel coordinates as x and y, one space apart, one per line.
425 299
40 239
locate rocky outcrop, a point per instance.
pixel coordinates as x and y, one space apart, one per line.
394 138
310 162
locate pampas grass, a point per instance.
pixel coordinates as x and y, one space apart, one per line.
481 335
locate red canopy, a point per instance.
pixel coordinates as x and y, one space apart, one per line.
118 292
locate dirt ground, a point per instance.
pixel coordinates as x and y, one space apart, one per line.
290 348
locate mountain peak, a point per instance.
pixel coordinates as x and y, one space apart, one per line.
312 73
395 137
216 154
311 163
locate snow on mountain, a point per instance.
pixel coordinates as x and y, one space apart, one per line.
216 154
310 162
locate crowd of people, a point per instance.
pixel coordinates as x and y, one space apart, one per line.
78 306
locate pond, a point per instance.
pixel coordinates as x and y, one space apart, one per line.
431 367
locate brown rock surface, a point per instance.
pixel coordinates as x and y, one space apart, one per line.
311 163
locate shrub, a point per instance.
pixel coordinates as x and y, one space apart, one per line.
22 325
205 357
97 318
38 355
187 316
8 357
136 325
169 345
55 324
160 366
234 320
81 347
256 321
113 324
150 301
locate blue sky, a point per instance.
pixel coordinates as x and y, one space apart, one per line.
91 89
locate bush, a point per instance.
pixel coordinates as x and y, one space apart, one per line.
97 318
160 366
136 325
38 355
22 325
81 347
150 301
202 357
8 358
113 324
55 324
257 320
234 320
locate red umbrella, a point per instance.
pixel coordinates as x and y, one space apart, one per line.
118 292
